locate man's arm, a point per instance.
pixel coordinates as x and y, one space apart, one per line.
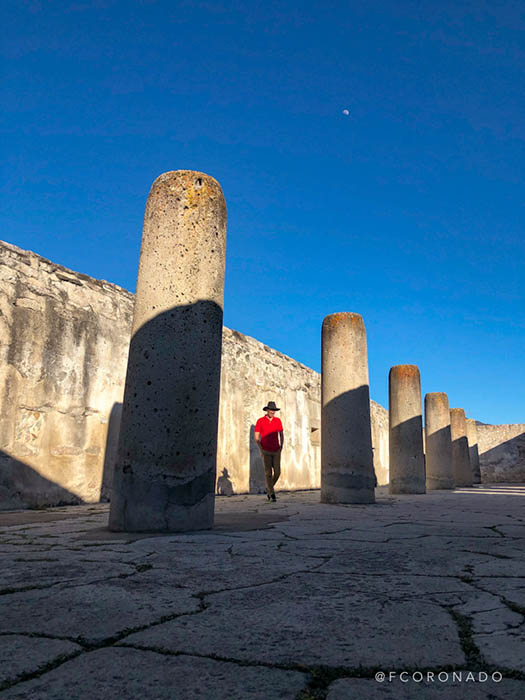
258 440
281 439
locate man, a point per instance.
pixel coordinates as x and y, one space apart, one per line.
270 439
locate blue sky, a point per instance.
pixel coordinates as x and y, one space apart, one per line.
408 211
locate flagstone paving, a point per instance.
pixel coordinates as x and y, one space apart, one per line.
295 599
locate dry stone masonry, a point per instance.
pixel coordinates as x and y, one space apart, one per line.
166 463
347 469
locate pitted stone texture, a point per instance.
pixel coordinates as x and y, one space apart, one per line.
460 452
438 443
472 436
347 465
130 674
407 457
21 656
166 464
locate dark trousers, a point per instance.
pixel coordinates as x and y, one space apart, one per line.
272 469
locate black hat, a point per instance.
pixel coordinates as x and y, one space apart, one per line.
271 407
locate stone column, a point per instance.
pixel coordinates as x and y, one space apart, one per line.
347 464
460 453
166 462
407 458
438 442
472 437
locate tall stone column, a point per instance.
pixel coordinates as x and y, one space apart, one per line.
472 437
460 453
438 442
347 464
407 458
166 461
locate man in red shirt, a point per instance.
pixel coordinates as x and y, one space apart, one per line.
270 439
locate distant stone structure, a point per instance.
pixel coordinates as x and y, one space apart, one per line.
501 452
460 452
165 472
438 443
472 437
347 466
407 457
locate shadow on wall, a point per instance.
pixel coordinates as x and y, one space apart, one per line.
224 485
257 478
21 486
348 419
504 462
110 454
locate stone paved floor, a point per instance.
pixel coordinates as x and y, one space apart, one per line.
287 600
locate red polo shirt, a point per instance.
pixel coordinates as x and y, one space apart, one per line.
269 430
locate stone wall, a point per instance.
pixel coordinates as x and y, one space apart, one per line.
502 452
63 351
64 340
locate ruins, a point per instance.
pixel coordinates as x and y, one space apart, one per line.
460 449
165 470
347 464
407 458
438 442
64 342
472 437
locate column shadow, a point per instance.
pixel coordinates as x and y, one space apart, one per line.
347 461
439 443
257 481
110 454
407 457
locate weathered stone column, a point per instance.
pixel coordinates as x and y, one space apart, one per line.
438 443
166 461
472 437
407 458
347 464
460 454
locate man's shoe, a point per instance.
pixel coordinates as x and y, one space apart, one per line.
273 498
268 497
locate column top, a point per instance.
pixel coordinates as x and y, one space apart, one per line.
343 318
404 371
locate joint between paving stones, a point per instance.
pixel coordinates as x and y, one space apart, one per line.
515 607
473 655
42 670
